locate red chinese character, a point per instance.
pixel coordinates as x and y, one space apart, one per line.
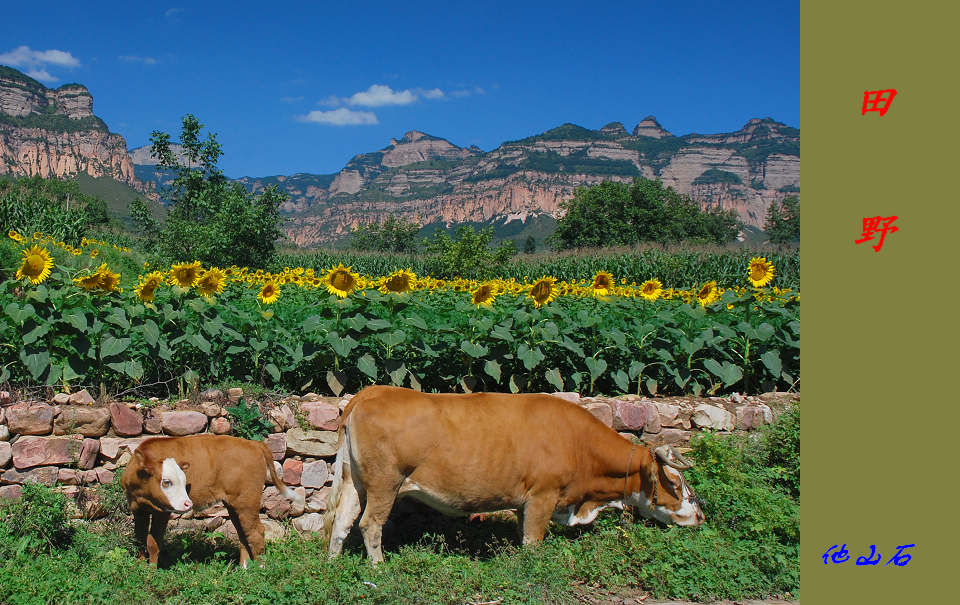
871 226
873 98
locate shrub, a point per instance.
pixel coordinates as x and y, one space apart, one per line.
247 422
469 253
37 523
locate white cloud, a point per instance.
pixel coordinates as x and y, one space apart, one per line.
291 99
42 75
380 94
433 93
24 56
331 101
172 12
340 117
36 61
136 59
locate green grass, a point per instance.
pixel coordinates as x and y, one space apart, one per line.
748 548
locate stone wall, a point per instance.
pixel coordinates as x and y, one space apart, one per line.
77 444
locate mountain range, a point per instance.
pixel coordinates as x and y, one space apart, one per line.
53 132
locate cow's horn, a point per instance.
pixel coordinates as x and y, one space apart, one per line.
672 457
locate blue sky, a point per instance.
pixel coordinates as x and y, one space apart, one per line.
303 87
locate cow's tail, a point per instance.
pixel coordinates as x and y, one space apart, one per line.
285 490
341 472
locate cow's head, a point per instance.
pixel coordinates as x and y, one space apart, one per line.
672 500
161 484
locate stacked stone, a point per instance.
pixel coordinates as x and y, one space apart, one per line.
74 444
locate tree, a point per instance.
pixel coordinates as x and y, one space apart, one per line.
617 214
211 220
783 220
469 254
394 235
530 245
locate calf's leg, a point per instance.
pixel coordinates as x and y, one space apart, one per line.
158 526
246 521
141 524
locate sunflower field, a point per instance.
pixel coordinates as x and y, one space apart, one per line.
80 317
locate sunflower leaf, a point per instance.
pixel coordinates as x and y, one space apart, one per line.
554 378
151 332
597 367
368 366
336 380
492 368
623 382
111 346
473 349
771 359
273 370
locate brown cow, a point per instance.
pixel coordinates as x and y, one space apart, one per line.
483 452
175 475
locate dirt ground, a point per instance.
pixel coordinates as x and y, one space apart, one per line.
633 596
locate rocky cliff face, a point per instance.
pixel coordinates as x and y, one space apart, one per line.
421 177
54 133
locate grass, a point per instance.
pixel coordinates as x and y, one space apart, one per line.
749 548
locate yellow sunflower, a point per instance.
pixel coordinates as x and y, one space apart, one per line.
484 295
761 271
148 286
108 279
211 282
88 282
708 293
603 283
543 291
16 236
36 265
269 293
94 253
399 281
341 281
185 274
651 289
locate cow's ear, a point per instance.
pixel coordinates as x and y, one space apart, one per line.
184 465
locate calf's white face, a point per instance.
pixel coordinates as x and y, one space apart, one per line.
173 484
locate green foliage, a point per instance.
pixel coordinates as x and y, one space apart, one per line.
37 523
564 132
248 422
782 222
212 220
394 235
779 451
10 258
54 122
714 176
469 253
530 245
615 214
50 206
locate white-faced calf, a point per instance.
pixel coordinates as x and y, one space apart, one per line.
176 475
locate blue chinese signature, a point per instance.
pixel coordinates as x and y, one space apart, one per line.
843 555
